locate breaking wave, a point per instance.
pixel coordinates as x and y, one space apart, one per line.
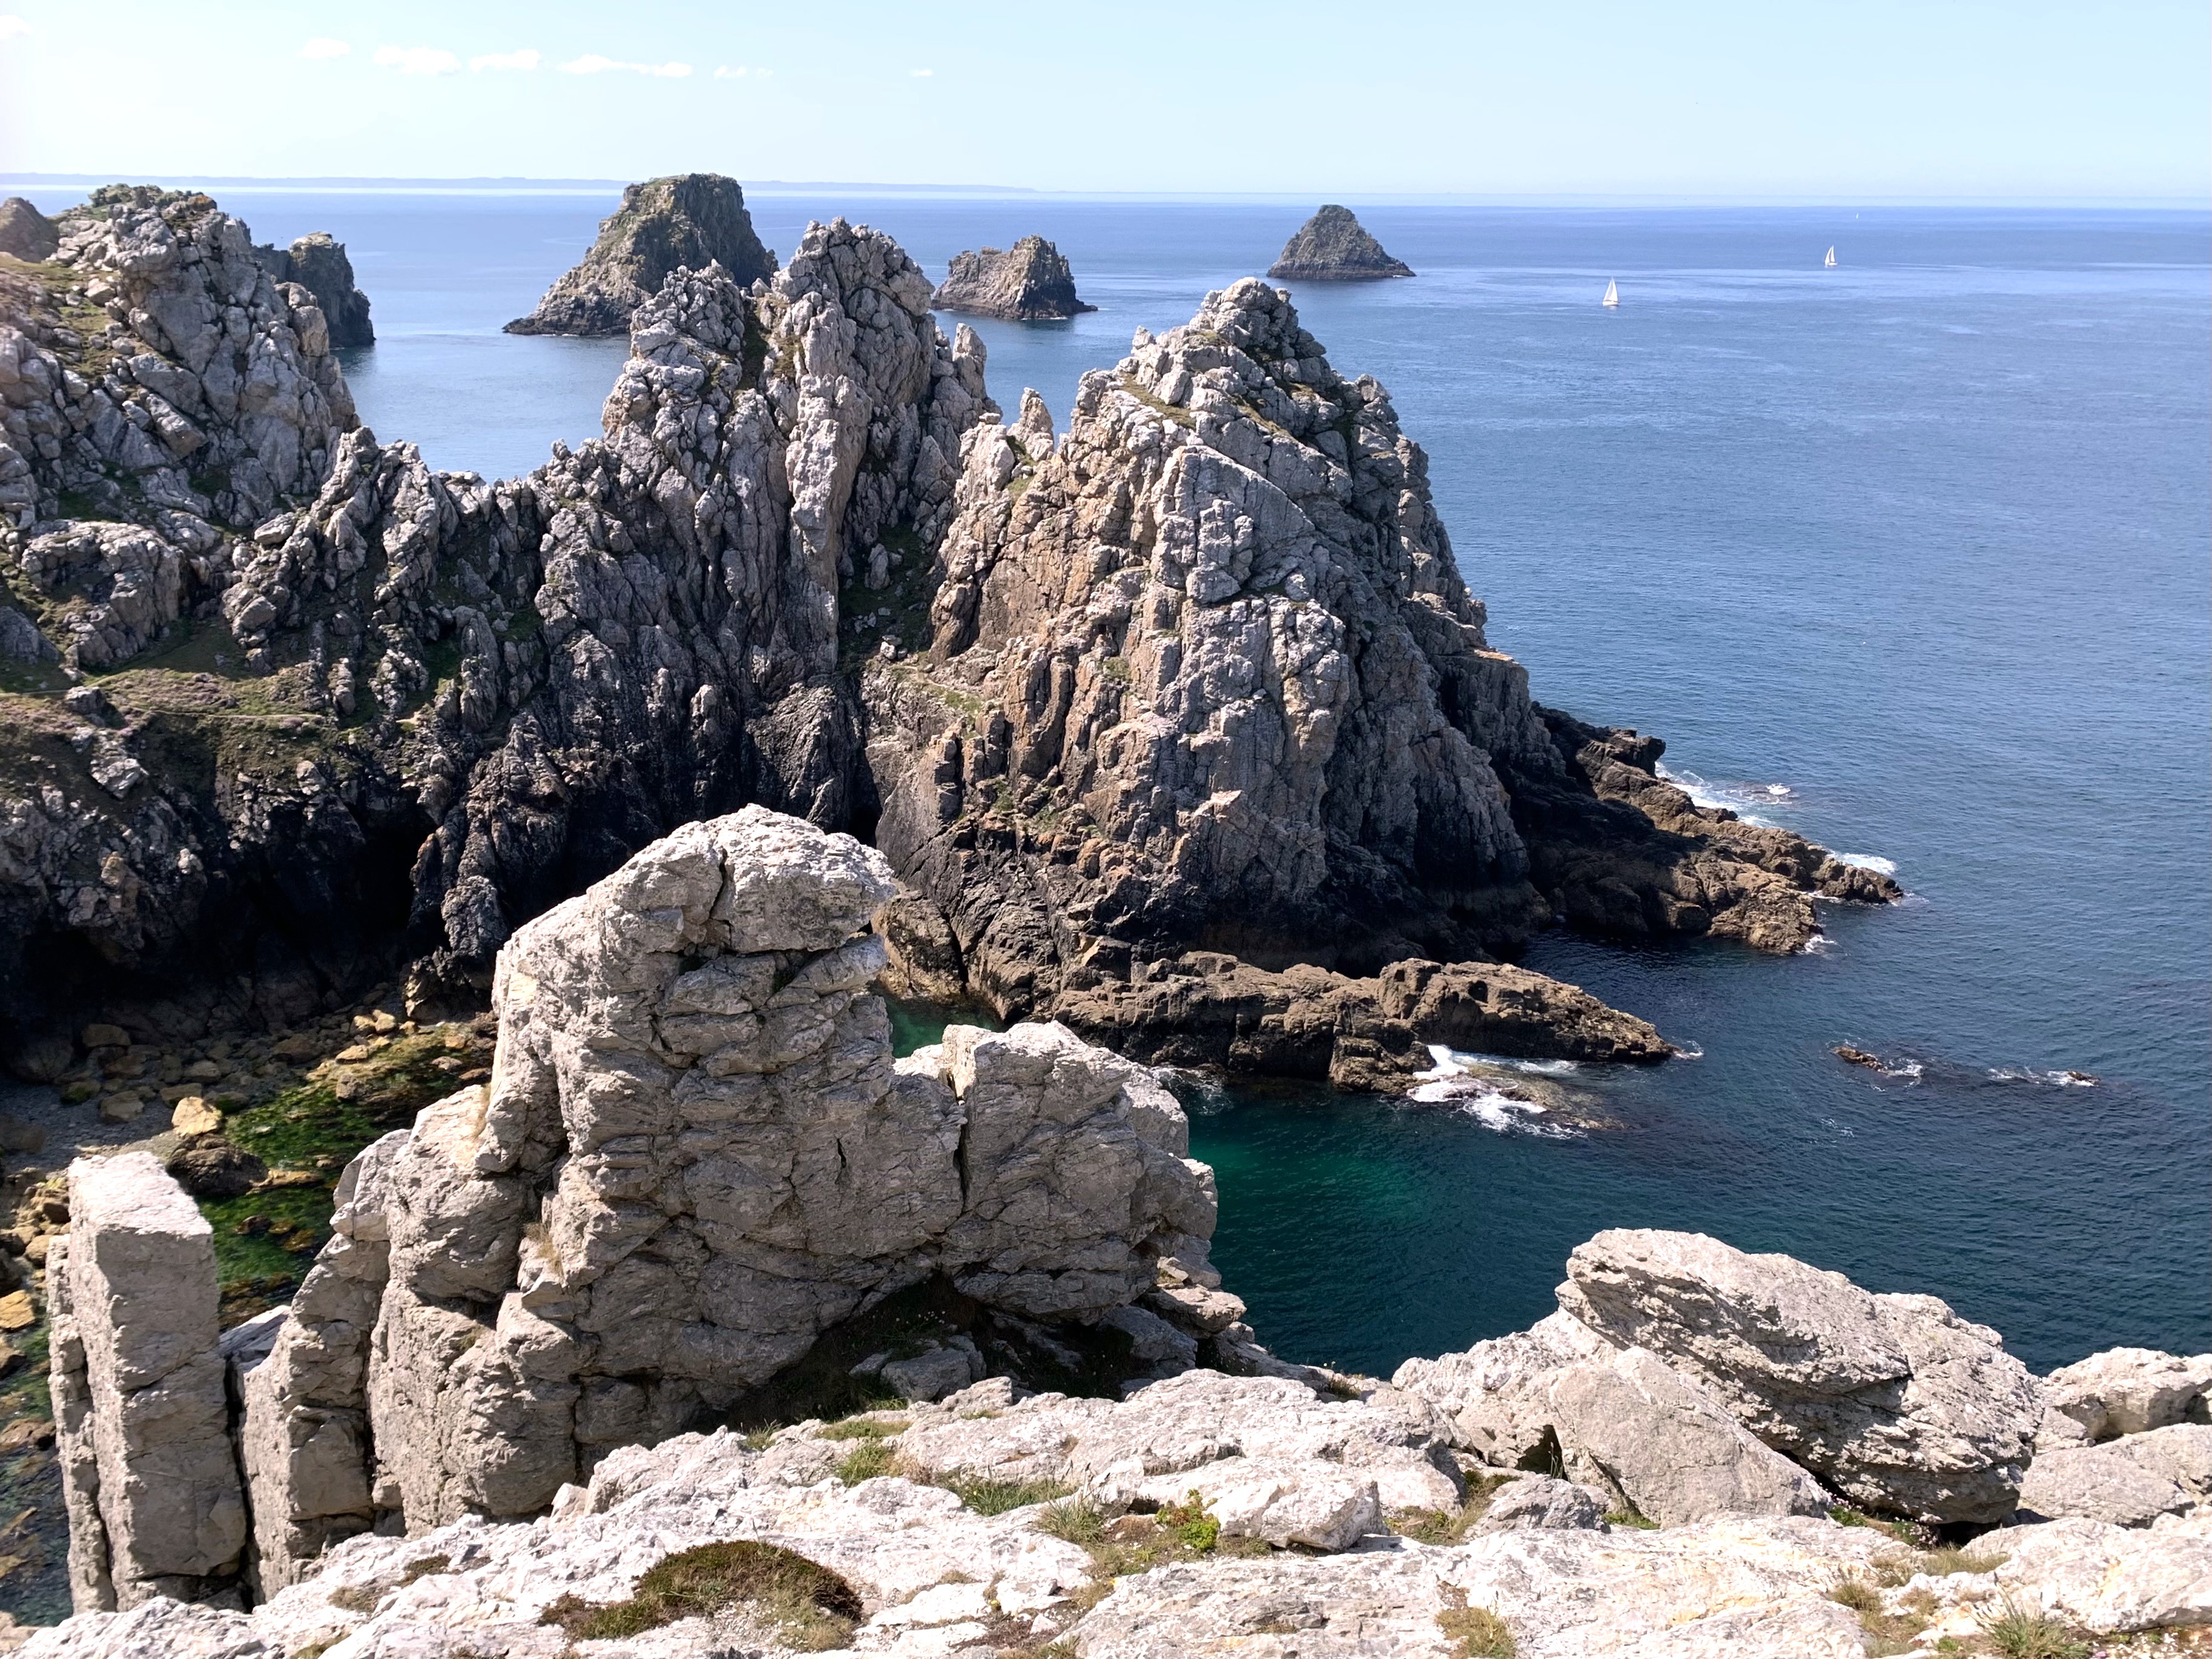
1450 1082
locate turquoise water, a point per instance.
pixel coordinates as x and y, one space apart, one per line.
1924 541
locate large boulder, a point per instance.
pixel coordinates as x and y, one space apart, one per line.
1629 1425
25 232
2123 1391
317 263
688 221
2128 1482
1895 1400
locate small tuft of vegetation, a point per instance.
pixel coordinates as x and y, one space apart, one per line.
1942 1562
1850 1591
867 1461
814 1608
1193 1524
1075 1521
1631 1518
426 1566
1479 1633
2023 1632
988 1496
862 1428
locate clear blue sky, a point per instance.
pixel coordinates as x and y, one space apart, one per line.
1872 98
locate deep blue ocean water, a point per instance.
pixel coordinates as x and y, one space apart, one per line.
1924 541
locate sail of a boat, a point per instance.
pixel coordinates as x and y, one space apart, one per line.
1832 258
1612 292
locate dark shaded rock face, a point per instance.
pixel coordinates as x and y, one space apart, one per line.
1028 283
688 221
25 232
318 263
1334 247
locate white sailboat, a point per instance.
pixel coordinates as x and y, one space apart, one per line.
1831 259
1612 293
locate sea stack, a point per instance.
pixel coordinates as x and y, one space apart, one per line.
317 263
1334 247
1028 283
690 220
26 233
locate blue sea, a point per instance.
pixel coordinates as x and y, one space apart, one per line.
1913 555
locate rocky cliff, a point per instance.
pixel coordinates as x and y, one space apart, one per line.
317 263
1185 721
1204 672
1334 247
346 696
688 221
1030 282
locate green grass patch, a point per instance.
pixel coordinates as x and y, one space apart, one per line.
865 1461
1193 1524
1159 406
987 1496
1478 1632
814 1608
863 1428
1631 1518
2020 1631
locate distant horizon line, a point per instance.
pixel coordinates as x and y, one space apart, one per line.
520 185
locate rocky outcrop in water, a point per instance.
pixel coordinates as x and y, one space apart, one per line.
1334 247
26 233
317 263
1203 673
688 221
1028 281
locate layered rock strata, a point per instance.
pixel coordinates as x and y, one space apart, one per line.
142 1425
317 263
688 221
1203 673
1334 247
1028 281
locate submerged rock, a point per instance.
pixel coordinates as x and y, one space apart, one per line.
688 220
317 263
1028 281
1334 247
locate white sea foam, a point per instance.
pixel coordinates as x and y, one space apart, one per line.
1818 945
1449 1083
1744 800
2056 1080
1869 862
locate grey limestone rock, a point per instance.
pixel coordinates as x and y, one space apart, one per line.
25 232
697 1154
1895 1400
1028 281
142 1419
1334 247
2123 1391
2127 1482
1543 1503
1630 1424
317 263
687 221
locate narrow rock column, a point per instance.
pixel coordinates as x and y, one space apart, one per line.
138 1386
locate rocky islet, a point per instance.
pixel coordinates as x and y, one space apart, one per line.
1028 281
1334 247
